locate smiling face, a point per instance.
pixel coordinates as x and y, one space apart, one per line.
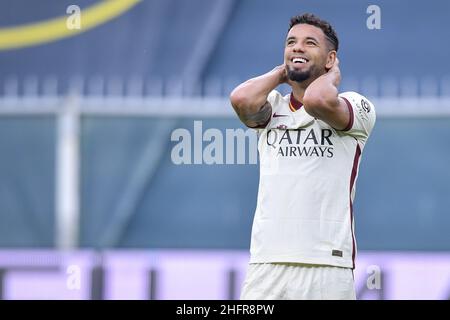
307 53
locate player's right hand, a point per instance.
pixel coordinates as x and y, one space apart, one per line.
282 73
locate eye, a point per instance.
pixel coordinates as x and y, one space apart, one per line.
310 43
290 42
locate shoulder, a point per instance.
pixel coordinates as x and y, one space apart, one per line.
362 115
277 100
358 101
275 97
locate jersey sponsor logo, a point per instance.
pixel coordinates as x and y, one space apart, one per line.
301 142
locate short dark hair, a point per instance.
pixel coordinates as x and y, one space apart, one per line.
309 18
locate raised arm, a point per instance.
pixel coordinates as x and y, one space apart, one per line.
249 99
321 99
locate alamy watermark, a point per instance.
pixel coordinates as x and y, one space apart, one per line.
73 281
213 146
374 277
373 22
74 20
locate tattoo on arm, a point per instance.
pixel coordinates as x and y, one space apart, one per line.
260 118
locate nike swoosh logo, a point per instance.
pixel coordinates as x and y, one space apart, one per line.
275 115
56 29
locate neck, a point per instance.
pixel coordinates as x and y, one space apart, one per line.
299 88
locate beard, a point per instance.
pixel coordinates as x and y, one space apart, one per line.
300 76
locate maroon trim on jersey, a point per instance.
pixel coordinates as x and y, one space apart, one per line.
295 103
350 110
352 182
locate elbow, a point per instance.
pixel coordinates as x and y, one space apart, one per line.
238 99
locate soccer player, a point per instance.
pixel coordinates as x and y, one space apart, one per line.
310 143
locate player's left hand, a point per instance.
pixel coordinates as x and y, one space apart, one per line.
336 72
335 66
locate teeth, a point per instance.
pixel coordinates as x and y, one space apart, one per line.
299 60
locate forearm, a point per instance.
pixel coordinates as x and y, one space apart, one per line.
321 99
323 92
251 95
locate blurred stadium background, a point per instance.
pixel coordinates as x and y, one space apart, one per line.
91 205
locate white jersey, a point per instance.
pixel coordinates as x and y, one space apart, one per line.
307 181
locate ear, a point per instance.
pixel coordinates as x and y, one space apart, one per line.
331 57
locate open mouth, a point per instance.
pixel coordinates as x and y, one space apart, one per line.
299 60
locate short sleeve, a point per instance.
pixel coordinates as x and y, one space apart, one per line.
362 115
274 98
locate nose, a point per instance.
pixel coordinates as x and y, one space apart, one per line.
298 47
